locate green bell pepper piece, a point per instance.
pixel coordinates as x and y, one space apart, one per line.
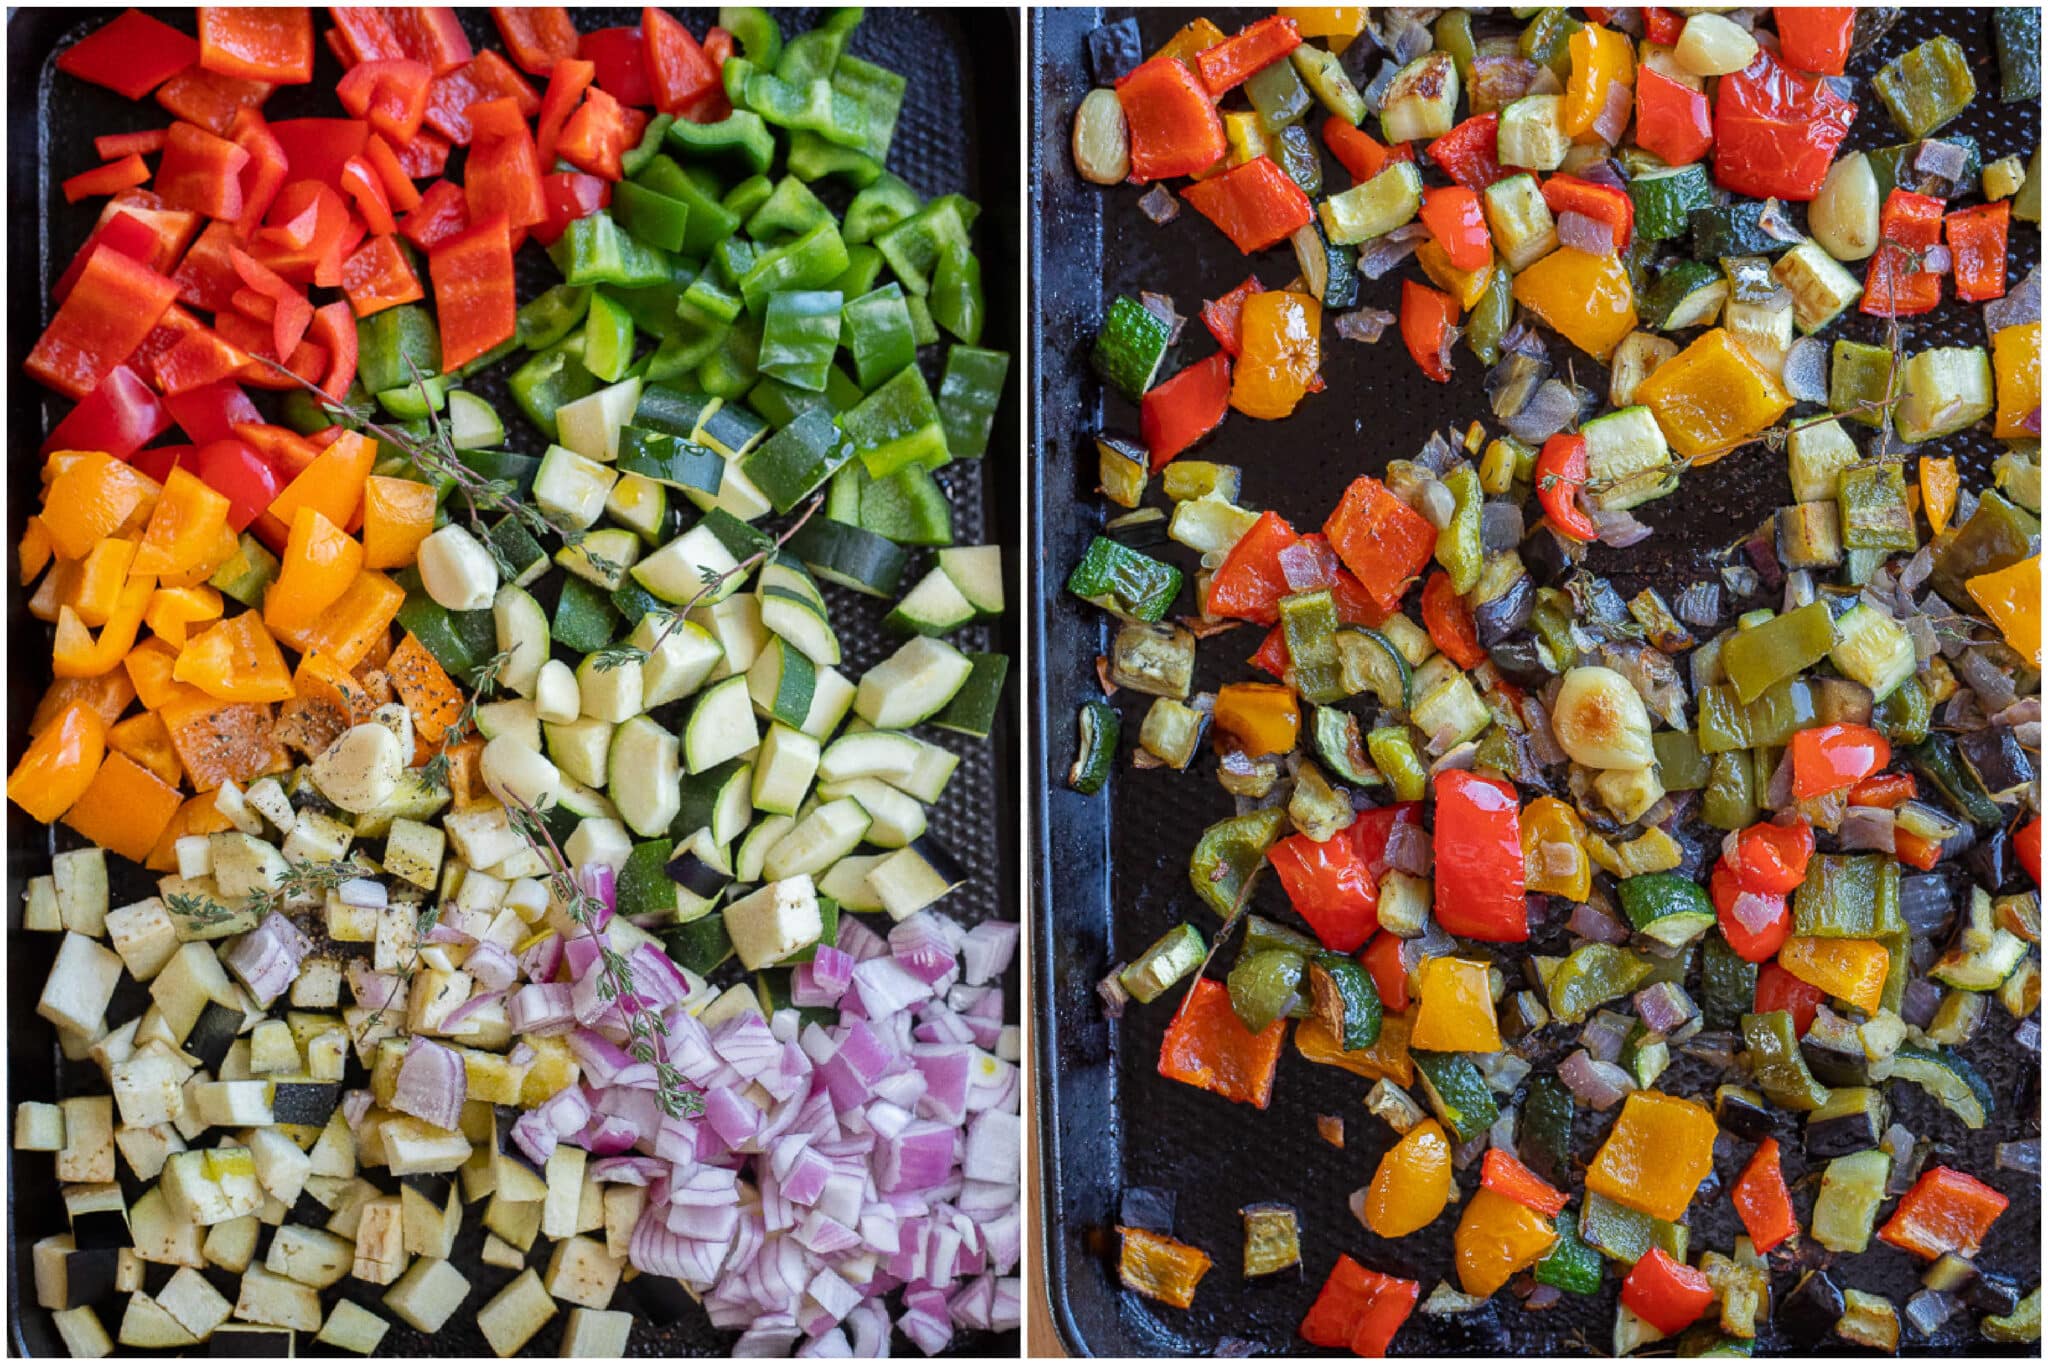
811 105
1266 986
1261 934
800 335
1727 985
781 404
1927 86
896 425
922 329
1761 656
2016 34
1278 95
1848 895
1294 150
740 141
1997 536
809 56
878 92
1453 35
551 315
1230 852
1780 1068
650 216
1491 317
812 158
879 207
709 222
1571 1265
1681 767
1458 546
790 210
968 394
863 269
956 299
1592 975
1124 582
549 379
1310 622
1547 40
393 344
1860 381
755 31
1905 713
729 371
1393 753
652 139
1729 801
914 246
878 335
1626 1235
593 251
811 261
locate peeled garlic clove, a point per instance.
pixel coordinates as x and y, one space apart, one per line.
1600 720
361 769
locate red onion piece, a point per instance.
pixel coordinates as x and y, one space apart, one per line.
432 1084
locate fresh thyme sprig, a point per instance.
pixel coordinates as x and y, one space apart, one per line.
618 656
301 880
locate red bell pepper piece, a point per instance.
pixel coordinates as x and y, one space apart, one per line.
1561 471
203 357
1827 758
201 172
272 44
1224 317
442 212
1174 126
537 36
1672 119
1762 1201
113 306
209 100
1249 583
1667 1294
425 157
111 178
171 328
620 55
1976 242
1256 204
1662 27
114 146
1896 285
363 33
1359 152
678 71
1887 791
1382 959
232 467
206 277
378 275
599 134
1505 1176
1382 540
1481 884
120 416
210 413
1777 989
1176 414
1755 928
158 461
1427 316
1945 1211
1271 655
131 54
1312 563
1603 204
1816 39
174 228
1455 218
1359 1310
503 171
1208 1047
1914 851
572 76
1373 831
1776 131
335 330
570 195
1470 153
263 175
123 232
1449 622
474 296
430 35
487 76
1329 886
1772 858
2026 842
399 191
305 227
1253 48
391 95
318 148
361 183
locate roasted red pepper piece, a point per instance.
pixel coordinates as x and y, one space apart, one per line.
620 55
474 298
1176 414
1776 131
209 100
131 54
1945 1211
1449 622
1250 582
1772 858
1667 1294
113 306
570 195
1662 27
1827 758
1673 120
1206 1046
1312 563
1252 48
503 172
1359 152
1224 317
1174 126
1427 317
1976 243
1455 218
1758 928
1359 1310
537 36
2026 843
599 134
678 71
1382 958
201 172
1469 153
272 44
1480 876
1330 886
1914 851
391 95
111 178
442 213
1382 540
1603 204
1505 1176
1256 204
1762 1201
1561 471
1896 285
1777 989
120 416
1816 39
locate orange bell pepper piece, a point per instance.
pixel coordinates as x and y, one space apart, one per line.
1939 484
1945 1211
1455 1009
78 654
1586 298
58 588
1388 1058
357 625
1160 1267
1712 396
2016 360
1600 57
320 560
236 660
1762 1201
36 551
425 688
1851 969
1412 1184
222 742
199 815
1282 348
91 496
108 695
226 545
60 763
2011 597
184 527
173 611
333 483
101 576
1382 540
125 808
1655 1155
148 669
1207 1047
397 515
1496 1239
143 738
1263 718
319 678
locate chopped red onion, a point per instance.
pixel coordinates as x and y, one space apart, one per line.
493 966
1597 1084
885 986
1385 253
462 1013
1612 120
1159 205
858 941
355 1107
1582 232
823 979
543 961
1619 529
1868 829
1366 325
432 1084
601 881
1592 922
1161 306
267 957
921 947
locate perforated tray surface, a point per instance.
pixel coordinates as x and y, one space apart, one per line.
957 134
1110 870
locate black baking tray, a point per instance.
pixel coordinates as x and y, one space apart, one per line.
1110 870
958 132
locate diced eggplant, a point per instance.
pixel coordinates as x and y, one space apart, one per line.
1810 1312
91 1276
1994 757
1991 1292
258 1343
1834 1052
1991 862
1743 1113
213 1034
1852 1120
308 1102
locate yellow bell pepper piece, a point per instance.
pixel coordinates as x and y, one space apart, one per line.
1554 856
1282 351
2016 360
101 576
1455 1013
1466 286
2011 597
1327 21
1656 1155
77 654
1587 299
1938 485
1160 1267
1413 1182
1497 1239
1263 718
1246 137
1712 397
1851 969
1196 38
1386 1059
1600 57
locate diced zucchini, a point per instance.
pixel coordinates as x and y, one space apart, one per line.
1532 134
1523 228
1820 287
1873 649
1377 207
1627 459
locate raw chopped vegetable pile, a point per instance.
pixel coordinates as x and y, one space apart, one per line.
1779 831
508 816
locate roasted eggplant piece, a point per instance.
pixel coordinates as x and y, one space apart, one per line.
1743 1113
1834 1051
1810 1312
1852 1120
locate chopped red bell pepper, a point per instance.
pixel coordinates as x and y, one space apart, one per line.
210 413
114 146
209 100
1509 1178
487 76
120 416
1776 131
1251 49
678 71
1667 1294
1897 284
1561 471
1762 1201
363 33
1469 153
201 172
1755 928
599 134
1312 563
206 277
1777 989
1176 414
1945 1211
1224 317
334 329
233 468
1662 27
1256 204
318 148
365 189
399 191
430 35
391 95
1449 622
425 157
174 228
1250 582
1673 120
158 461
1888 791
124 232
378 275
1816 39
570 195
1427 317
272 44
537 36
1827 758
1382 540
1602 203
113 306
1382 959
1330 886
502 175
1455 218
1359 1310
620 55
1208 1047
264 173
203 357
474 297
442 213
1772 858
1481 882
572 76
1976 243
1914 851
1271 655
111 178
2026 842
306 228
1359 152
1174 126
131 54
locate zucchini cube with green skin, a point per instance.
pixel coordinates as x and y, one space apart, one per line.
1627 460
1816 455
571 489
911 685
1532 134
1944 390
1374 208
1521 222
